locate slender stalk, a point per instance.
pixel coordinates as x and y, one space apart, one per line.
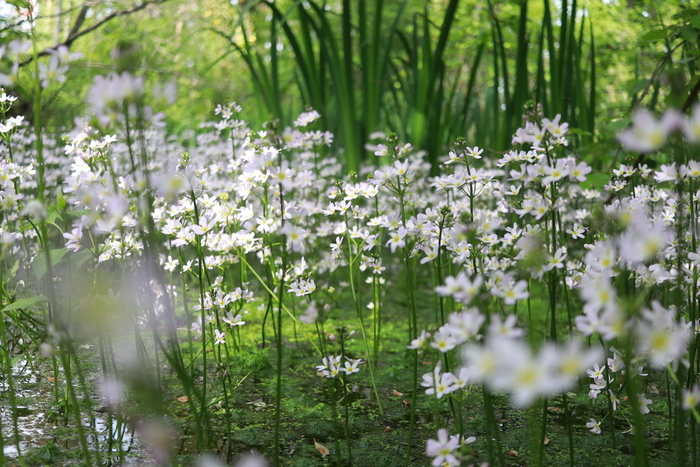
4 353
278 336
640 451
358 308
65 361
414 400
493 443
334 408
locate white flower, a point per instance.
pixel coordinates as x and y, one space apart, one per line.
306 118
204 226
53 72
350 365
594 426
233 320
74 237
461 288
311 314
444 342
397 239
36 210
691 397
220 337
302 287
418 342
474 152
668 173
648 134
643 403
556 261
330 366
661 337
437 383
507 329
578 172
556 173
170 264
512 292
577 231
552 126
443 449
691 126
382 150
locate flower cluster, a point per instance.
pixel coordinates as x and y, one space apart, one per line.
445 450
248 217
332 366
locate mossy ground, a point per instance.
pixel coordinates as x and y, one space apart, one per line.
246 422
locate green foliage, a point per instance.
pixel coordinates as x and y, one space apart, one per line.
326 66
366 66
429 71
427 102
24 303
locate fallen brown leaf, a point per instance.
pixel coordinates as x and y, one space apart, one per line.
388 429
555 409
546 441
321 448
512 453
182 399
397 393
406 403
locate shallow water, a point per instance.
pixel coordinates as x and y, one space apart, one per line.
33 427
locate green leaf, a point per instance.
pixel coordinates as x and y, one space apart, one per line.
596 180
13 270
20 3
655 35
39 264
690 34
638 86
60 201
53 214
79 258
78 213
25 303
16 359
579 131
695 21
618 125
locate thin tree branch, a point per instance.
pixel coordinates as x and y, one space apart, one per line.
47 16
74 34
691 97
78 21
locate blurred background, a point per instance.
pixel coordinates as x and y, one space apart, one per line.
428 70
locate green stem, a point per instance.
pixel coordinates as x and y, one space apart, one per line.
358 309
414 399
640 451
65 361
493 443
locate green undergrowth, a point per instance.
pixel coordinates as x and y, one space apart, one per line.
376 439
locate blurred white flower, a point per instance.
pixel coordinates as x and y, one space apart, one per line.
647 134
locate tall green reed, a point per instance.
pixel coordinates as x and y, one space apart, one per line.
328 66
564 79
365 71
